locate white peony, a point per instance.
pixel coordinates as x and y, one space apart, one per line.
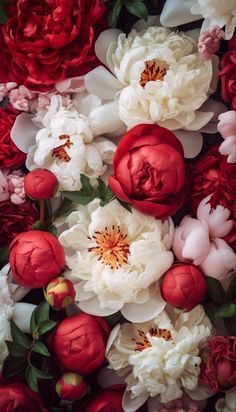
6 312
155 75
116 259
69 143
227 404
160 357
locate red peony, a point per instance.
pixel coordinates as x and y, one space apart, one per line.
35 258
218 368
228 74
60 292
108 400
183 286
71 386
18 397
149 170
10 155
52 40
212 175
79 343
40 184
15 219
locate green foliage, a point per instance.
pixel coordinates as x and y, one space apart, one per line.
135 7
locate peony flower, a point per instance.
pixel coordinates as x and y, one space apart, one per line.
6 313
71 386
40 184
209 42
156 76
227 404
228 148
59 292
218 369
228 74
68 145
5 88
20 97
160 357
116 259
17 396
79 343
35 258
12 186
149 171
227 129
106 400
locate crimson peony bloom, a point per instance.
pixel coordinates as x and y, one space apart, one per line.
71 386
183 286
149 170
106 400
16 397
218 368
228 74
35 258
58 45
60 292
10 155
79 343
40 184
15 219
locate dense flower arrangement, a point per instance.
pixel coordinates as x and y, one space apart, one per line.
118 206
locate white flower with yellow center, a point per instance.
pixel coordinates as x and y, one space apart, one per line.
68 144
159 357
156 75
116 259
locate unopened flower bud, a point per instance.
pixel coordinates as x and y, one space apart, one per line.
60 292
40 184
71 386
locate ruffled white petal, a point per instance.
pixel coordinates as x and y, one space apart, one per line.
177 12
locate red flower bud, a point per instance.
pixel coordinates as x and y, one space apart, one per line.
60 292
71 386
35 258
79 343
183 286
40 184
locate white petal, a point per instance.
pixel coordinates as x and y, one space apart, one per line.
112 337
102 83
202 392
145 24
108 377
220 261
22 315
145 311
177 12
72 85
217 108
200 120
193 33
23 132
92 306
103 42
191 141
132 405
105 119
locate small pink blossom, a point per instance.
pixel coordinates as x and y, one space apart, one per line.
209 42
4 192
5 88
216 219
20 98
12 187
227 129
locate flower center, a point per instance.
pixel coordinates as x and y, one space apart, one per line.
154 70
112 246
60 152
143 342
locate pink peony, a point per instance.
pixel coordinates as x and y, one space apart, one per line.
12 187
209 42
227 129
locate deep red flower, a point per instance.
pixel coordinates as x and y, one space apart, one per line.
40 184
228 74
10 155
17 397
108 400
149 170
52 40
71 386
218 369
15 219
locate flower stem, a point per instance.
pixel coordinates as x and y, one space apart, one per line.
42 211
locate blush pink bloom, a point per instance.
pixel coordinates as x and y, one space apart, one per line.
227 129
216 219
5 88
209 42
20 98
12 187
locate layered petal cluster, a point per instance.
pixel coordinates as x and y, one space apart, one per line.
6 312
227 129
116 259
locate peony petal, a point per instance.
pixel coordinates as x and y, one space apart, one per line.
191 141
228 148
217 108
112 337
72 85
24 132
145 24
193 33
102 83
108 377
132 405
22 314
201 119
202 392
103 42
220 261
105 119
177 12
92 306
216 219
145 311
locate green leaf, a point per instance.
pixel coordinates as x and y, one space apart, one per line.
39 347
16 350
65 208
137 8
114 13
215 290
104 192
41 374
127 206
18 336
46 326
210 311
46 228
12 366
39 315
226 311
31 378
78 197
231 291
86 185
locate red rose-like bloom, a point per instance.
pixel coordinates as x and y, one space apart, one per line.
19 397
183 286
212 175
52 40
106 401
15 219
79 343
10 155
40 184
218 368
228 74
149 170
35 258
71 386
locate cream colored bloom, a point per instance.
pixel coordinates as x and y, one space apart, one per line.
6 312
161 357
116 259
227 404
